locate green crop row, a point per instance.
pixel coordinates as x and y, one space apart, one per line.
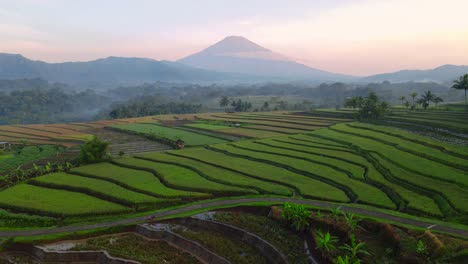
28 154
44 201
457 126
136 180
173 134
365 193
416 201
254 118
306 186
221 175
415 148
94 187
250 133
278 123
407 160
278 129
451 149
182 178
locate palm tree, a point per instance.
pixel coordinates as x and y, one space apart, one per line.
413 96
462 84
325 242
402 99
437 100
426 98
223 102
355 249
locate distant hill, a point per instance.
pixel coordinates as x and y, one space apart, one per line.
237 54
115 70
442 74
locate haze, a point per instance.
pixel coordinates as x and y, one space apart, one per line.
351 37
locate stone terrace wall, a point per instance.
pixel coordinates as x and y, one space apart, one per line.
192 247
265 248
51 256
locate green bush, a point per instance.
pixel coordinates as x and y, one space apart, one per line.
94 151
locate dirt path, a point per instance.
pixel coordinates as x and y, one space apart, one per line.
441 228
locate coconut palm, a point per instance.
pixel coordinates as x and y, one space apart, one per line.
402 99
413 96
426 98
462 84
437 100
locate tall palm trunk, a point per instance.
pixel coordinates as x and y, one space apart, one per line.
466 101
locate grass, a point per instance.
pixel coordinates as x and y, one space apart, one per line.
45 201
306 186
28 154
135 179
183 178
223 175
95 187
190 138
365 193
134 247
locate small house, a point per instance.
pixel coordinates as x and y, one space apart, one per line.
6 146
180 144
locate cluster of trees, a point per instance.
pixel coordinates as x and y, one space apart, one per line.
48 105
237 105
151 105
369 107
462 84
426 98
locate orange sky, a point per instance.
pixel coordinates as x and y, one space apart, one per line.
358 37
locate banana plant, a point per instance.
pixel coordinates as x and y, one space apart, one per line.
326 243
351 220
355 249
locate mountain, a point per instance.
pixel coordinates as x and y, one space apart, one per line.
442 74
111 70
237 54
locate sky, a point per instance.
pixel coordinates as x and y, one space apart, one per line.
358 37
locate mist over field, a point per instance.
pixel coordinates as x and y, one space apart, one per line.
260 131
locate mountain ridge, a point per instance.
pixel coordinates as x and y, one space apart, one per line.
236 54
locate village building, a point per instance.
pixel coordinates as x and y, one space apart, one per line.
6 146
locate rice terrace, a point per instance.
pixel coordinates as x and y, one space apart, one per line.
243 132
377 170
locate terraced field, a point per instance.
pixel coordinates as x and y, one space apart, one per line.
291 155
172 134
30 153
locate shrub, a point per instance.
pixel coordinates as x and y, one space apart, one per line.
94 151
296 215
